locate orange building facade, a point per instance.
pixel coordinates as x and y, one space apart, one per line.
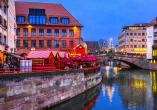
43 26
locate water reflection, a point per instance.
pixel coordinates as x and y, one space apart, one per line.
128 90
82 102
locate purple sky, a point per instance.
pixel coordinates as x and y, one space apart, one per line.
105 18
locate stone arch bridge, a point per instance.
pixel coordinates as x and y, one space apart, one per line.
133 61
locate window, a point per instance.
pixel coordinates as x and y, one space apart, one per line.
143 40
56 33
18 31
143 46
33 19
18 43
64 33
71 44
33 11
0 38
71 33
49 32
5 9
5 24
135 46
41 43
53 20
143 34
41 32
139 34
139 46
65 20
131 40
20 19
63 43
33 43
25 43
25 32
131 34
33 32
135 34
56 43
127 33
37 16
49 43
131 46
5 40
0 20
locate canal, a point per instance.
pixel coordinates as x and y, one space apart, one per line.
120 90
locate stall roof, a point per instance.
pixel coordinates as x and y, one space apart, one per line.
39 54
63 54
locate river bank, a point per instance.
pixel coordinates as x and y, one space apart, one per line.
43 90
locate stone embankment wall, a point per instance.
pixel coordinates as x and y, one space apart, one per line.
40 91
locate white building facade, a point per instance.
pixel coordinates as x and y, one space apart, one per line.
7 25
150 41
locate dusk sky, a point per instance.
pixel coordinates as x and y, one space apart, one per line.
105 18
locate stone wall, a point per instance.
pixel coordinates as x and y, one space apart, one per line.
36 92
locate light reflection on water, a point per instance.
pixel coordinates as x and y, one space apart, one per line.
127 90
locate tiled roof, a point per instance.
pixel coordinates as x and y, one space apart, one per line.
56 10
92 44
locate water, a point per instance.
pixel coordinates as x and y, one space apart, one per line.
120 90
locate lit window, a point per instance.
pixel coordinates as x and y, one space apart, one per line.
53 20
65 20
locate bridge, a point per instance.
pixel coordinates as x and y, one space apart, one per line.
131 60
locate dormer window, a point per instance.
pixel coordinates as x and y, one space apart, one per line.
53 20
20 19
37 16
65 20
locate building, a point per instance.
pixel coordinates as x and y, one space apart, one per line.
42 26
133 39
3 23
103 44
7 27
111 46
152 39
11 41
92 46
